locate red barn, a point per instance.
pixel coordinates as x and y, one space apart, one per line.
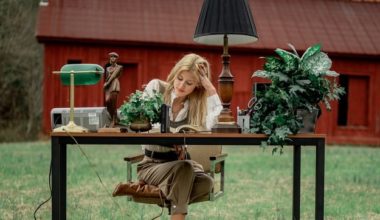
150 36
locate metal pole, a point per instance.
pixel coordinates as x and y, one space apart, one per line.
296 181
320 180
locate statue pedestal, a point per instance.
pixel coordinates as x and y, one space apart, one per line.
109 130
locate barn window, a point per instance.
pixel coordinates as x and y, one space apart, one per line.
353 106
73 61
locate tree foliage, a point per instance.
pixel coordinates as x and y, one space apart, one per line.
21 71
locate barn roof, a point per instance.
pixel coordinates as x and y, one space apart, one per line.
341 26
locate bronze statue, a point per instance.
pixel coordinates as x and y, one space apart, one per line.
112 87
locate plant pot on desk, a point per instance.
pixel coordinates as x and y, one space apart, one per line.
309 119
140 126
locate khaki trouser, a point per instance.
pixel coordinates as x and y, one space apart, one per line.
181 181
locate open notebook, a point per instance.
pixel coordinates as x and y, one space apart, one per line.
181 129
187 129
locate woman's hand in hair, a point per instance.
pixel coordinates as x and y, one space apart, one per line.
205 81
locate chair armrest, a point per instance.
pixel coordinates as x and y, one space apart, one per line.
217 163
130 161
217 166
134 158
218 158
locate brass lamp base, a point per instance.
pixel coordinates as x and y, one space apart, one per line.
226 123
71 127
226 127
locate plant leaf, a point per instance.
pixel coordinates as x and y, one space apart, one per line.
262 74
303 82
273 64
332 73
291 61
296 88
294 49
317 64
281 77
311 51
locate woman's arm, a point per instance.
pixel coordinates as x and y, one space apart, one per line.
155 84
214 107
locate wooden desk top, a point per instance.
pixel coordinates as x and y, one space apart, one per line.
176 135
181 138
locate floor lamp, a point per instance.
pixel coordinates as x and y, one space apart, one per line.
225 22
74 75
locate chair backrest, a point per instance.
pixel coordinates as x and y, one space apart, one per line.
202 154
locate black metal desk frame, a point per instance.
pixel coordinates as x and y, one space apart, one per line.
59 142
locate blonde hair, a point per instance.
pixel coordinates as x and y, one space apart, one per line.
198 98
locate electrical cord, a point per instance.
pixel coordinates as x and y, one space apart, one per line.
92 167
50 170
55 122
41 204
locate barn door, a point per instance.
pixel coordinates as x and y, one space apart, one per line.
128 81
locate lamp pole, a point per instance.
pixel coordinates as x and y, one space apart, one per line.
72 96
226 122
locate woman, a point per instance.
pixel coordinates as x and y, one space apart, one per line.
193 100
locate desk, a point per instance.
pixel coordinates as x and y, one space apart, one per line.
59 142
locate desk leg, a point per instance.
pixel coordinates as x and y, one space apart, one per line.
58 155
296 181
320 180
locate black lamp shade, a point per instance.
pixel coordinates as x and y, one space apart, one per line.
225 17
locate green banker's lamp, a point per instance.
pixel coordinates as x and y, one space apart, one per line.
75 75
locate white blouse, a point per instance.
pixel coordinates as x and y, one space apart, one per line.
214 105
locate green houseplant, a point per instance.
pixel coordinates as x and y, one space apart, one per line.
141 110
297 83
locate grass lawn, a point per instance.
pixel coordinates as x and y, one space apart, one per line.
258 184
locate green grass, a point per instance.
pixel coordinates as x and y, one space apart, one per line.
258 184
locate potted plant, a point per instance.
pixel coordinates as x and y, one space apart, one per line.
297 84
141 110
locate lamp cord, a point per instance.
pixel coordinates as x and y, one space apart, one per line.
95 171
92 167
41 204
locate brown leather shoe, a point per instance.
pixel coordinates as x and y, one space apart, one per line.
139 189
123 189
